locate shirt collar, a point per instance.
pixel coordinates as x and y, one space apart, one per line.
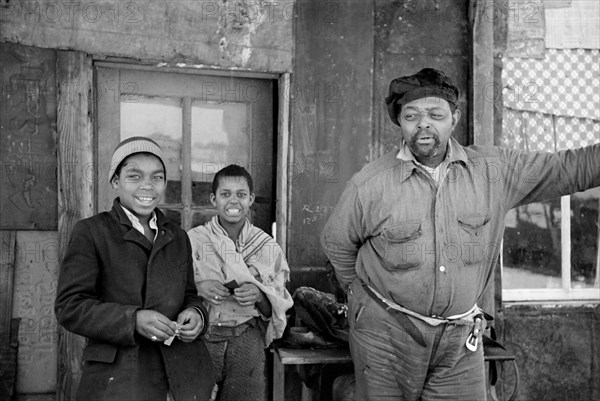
135 222
244 233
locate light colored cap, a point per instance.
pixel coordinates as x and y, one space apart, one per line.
129 146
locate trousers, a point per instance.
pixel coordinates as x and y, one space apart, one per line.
390 365
239 363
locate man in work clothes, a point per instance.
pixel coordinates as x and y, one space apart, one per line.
415 236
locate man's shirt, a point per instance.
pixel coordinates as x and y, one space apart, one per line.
432 247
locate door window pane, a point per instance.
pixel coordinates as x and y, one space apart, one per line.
172 193
173 214
202 216
220 136
160 119
532 246
201 191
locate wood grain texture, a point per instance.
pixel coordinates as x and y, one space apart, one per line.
28 139
331 102
282 206
7 265
76 186
244 35
8 327
482 79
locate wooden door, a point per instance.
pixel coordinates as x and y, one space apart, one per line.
202 122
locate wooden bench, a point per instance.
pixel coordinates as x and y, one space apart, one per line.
302 357
305 357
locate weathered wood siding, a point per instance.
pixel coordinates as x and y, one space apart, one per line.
348 54
76 188
229 34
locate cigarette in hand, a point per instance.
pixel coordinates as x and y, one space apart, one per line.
169 340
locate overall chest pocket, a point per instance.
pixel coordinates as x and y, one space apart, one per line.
401 246
474 236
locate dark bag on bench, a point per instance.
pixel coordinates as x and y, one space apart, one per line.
320 320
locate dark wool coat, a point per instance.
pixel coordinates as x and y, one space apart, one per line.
110 271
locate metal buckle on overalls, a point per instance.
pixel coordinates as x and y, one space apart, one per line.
473 338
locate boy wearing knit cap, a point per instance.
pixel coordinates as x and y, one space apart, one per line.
415 237
126 283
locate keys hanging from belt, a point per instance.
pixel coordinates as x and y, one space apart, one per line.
475 334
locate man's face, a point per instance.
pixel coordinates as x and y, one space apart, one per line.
427 124
140 184
233 200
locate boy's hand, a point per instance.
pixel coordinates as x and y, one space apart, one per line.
247 294
154 325
190 325
212 291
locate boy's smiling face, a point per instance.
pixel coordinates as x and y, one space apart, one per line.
232 200
140 184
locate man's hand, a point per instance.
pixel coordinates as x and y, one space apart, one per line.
212 291
190 324
154 325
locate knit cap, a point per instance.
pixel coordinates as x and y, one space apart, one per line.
425 83
130 146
